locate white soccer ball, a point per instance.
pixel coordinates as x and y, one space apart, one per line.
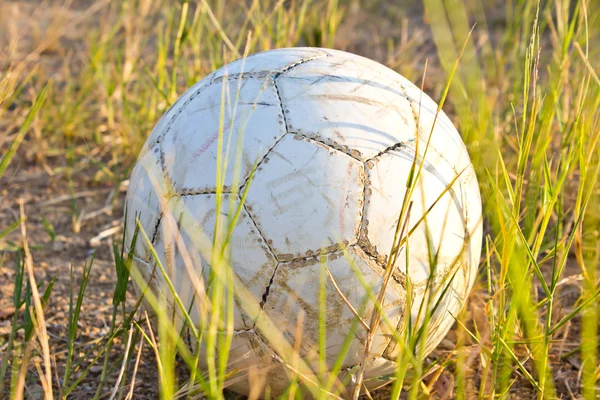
333 137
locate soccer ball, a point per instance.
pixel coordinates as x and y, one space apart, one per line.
306 154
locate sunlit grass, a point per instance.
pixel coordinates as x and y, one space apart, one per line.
526 102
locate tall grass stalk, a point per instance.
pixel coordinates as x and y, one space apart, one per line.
525 98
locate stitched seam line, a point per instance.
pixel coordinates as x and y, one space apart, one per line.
412 108
192 192
393 147
299 62
355 154
156 226
333 249
265 293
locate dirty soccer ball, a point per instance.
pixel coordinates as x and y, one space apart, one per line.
319 144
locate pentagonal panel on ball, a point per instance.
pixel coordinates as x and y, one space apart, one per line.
295 294
445 141
184 244
244 116
306 198
436 218
345 103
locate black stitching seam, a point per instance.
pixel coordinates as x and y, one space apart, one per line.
363 235
266 241
285 121
265 73
265 294
316 257
259 163
355 154
248 209
393 147
299 62
156 225
241 75
414 112
192 192
397 275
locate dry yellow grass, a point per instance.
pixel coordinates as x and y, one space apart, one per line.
83 82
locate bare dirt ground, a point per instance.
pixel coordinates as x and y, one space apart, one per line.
50 200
